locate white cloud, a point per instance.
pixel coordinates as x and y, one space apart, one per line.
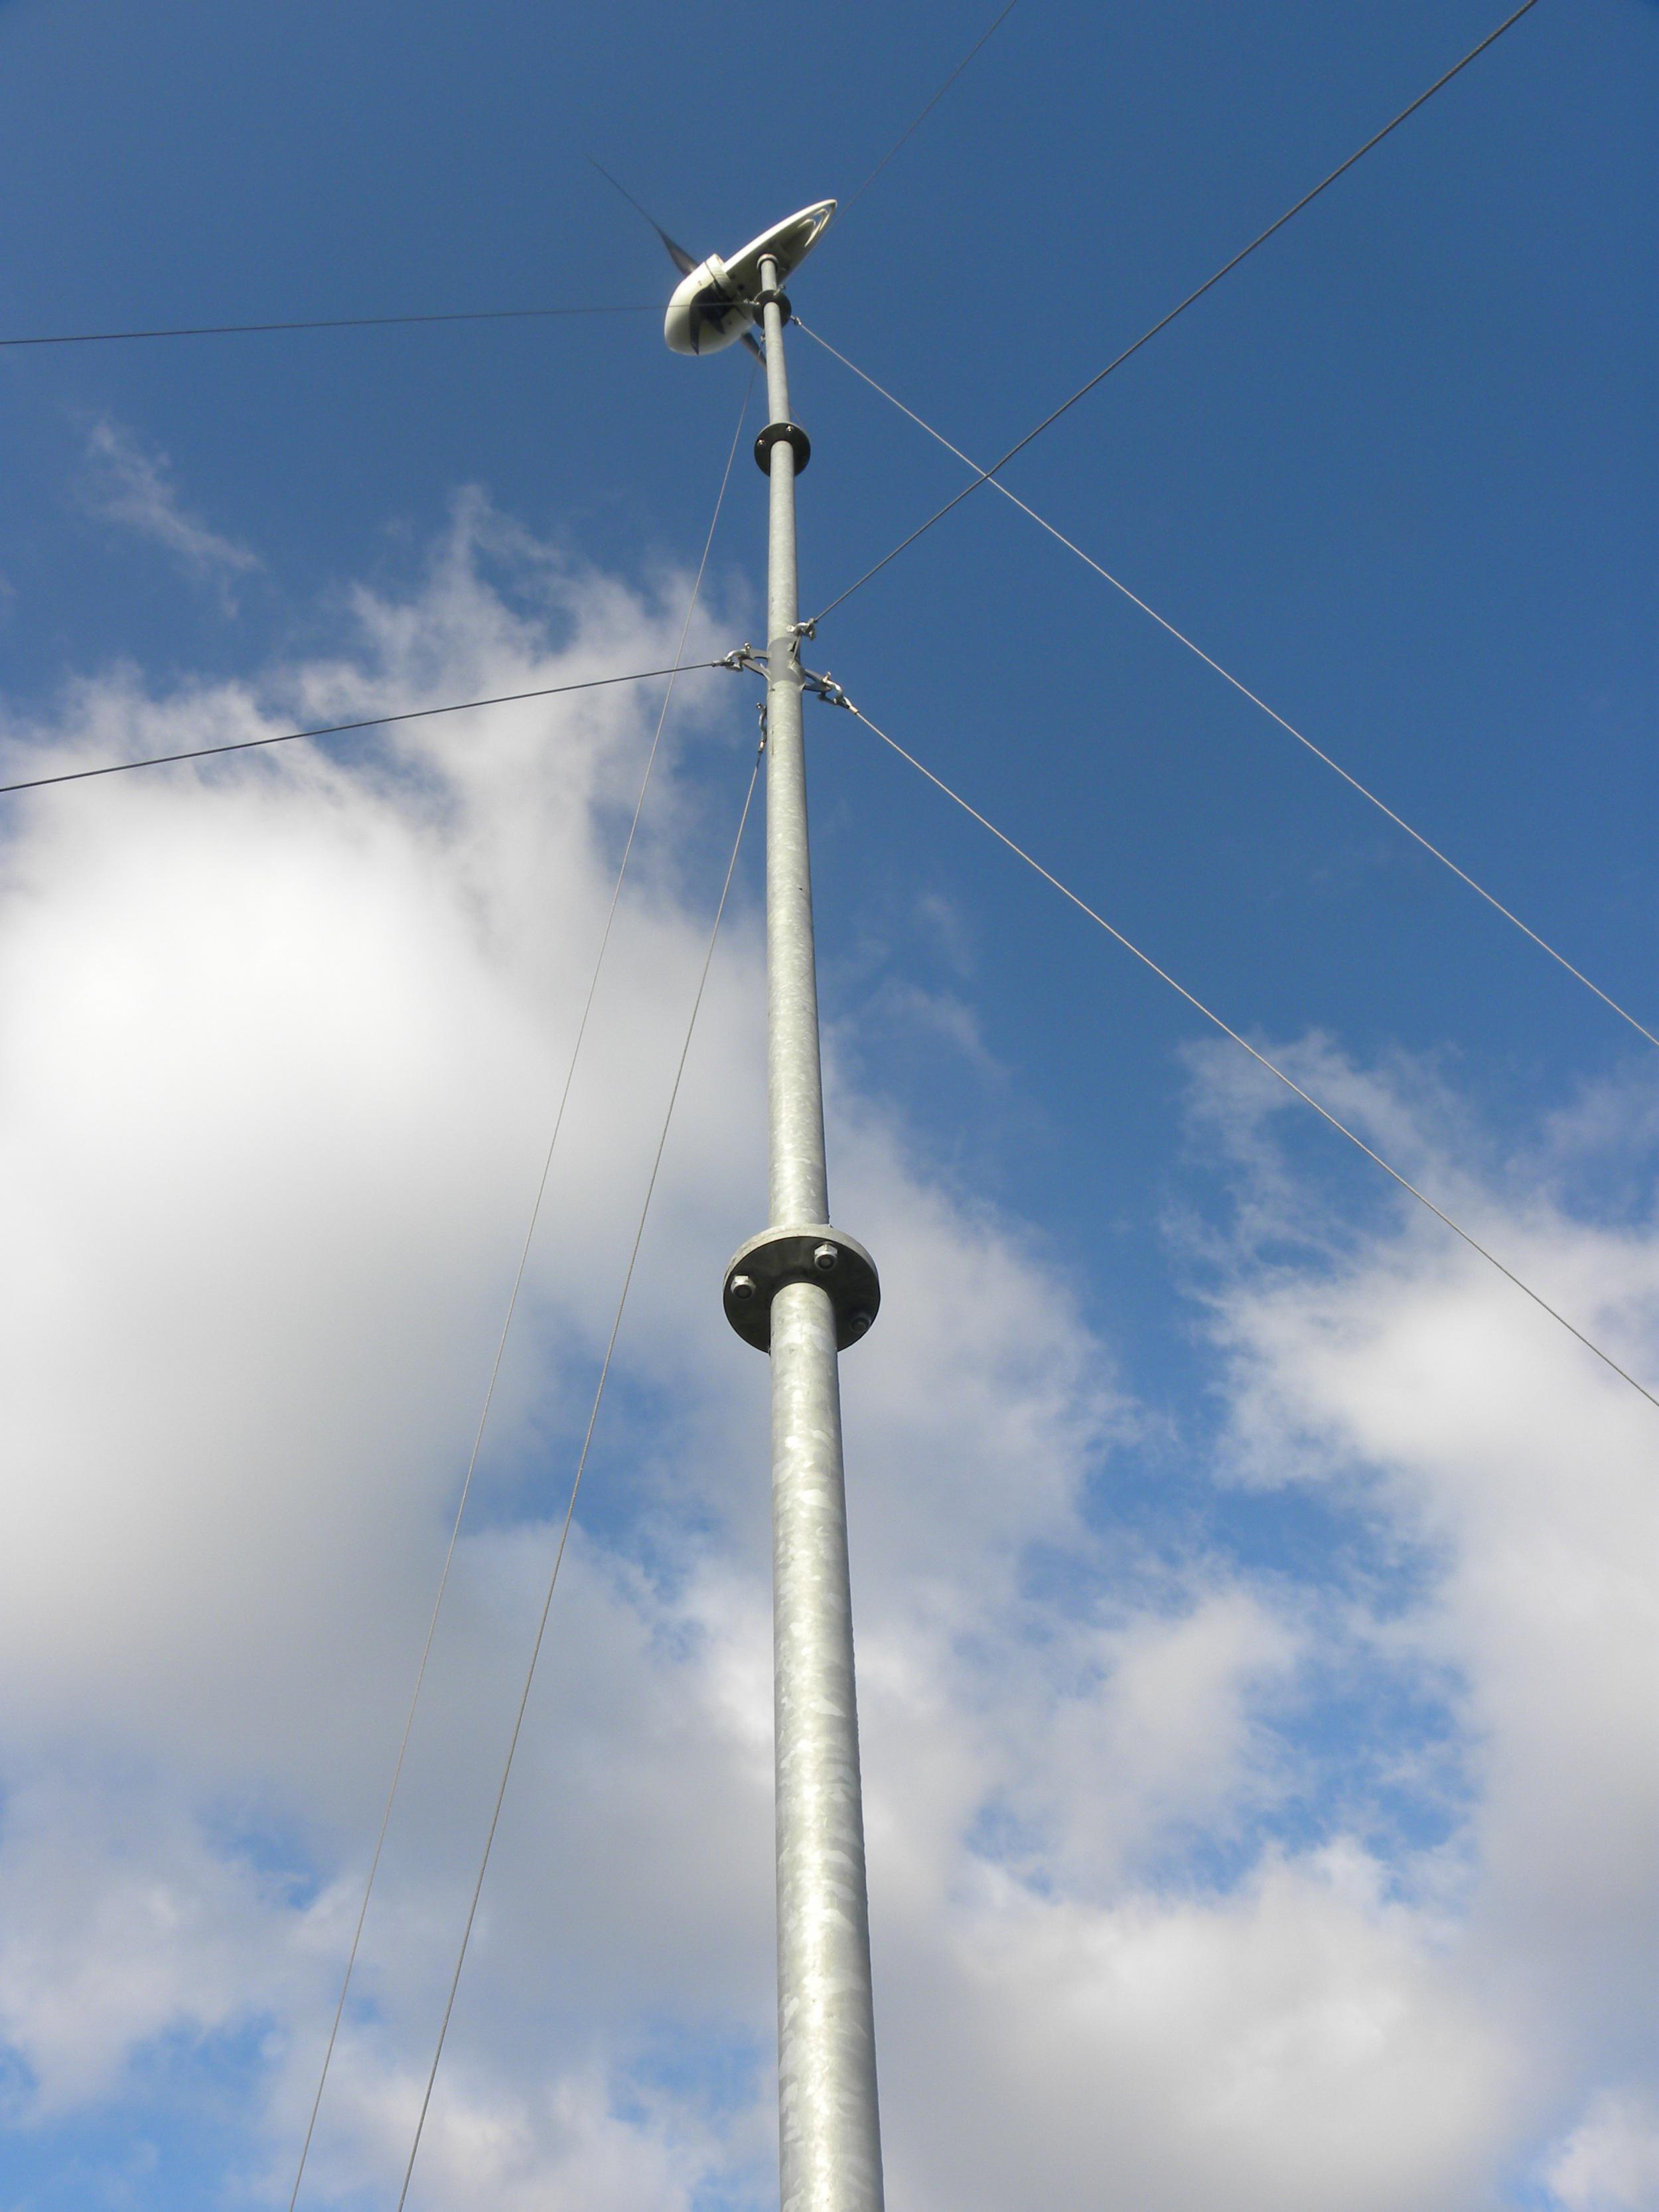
1610 2163
127 484
120 1920
1299 2044
284 1038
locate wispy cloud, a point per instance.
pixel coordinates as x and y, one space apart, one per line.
127 484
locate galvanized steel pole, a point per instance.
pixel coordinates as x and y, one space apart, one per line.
829 2130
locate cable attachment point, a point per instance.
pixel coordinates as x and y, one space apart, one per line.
744 659
803 629
826 688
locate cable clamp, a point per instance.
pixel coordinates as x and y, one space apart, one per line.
803 629
826 688
744 659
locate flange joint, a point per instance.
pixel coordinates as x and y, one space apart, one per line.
810 1253
782 433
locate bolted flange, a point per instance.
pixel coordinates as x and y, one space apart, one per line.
814 1253
787 433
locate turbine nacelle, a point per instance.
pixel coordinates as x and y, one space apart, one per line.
714 305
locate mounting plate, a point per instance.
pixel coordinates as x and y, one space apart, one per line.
782 433
810 1253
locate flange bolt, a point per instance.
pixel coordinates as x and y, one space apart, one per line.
817 1255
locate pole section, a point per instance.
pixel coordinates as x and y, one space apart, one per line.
829 2132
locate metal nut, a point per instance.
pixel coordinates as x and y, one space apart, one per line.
824 1257
743 1288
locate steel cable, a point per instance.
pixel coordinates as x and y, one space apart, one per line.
909 132
1260 1058
512 1309
575 1485
369 722
326 323
1181 308
1255 699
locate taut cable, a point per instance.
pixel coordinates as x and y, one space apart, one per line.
575 1487
1243 689
512 1309
1260 1058
1180 308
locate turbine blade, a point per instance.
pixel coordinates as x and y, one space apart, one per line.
754 345
684 262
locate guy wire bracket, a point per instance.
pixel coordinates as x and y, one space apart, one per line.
824 687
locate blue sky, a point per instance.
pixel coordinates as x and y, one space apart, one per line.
1240 1648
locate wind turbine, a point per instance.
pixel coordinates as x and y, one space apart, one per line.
803 1291
687 264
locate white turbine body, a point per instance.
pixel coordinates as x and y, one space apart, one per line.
715 305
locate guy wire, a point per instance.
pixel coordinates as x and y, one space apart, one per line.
512 1302
1260 1058
1180 308
328 323
1226 675
369 722
576 1480
906 135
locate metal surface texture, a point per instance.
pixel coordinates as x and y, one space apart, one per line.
829 2131
830 2134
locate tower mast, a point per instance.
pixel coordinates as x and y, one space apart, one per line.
803 1291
